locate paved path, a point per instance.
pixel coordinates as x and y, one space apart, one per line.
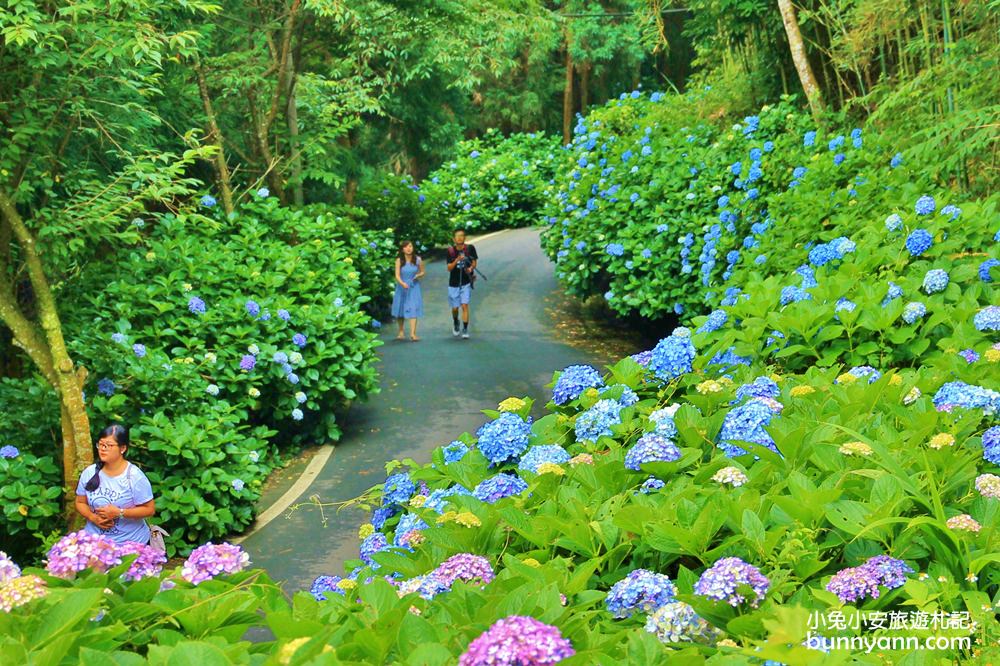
432 391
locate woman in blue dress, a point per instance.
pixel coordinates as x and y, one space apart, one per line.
408 302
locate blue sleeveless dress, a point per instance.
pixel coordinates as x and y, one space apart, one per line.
408 303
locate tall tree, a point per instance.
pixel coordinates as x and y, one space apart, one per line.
798 49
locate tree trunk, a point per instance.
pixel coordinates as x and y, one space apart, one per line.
295 157
585 86
53 359
798 49
215 137
568 96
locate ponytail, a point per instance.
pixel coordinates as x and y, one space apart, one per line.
95 481
120 435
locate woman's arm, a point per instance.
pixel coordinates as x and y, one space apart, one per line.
420 269
399 278
83 508
140 511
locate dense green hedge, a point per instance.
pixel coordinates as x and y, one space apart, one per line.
222 342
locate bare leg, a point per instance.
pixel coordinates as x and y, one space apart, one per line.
413 329
465 313
400 335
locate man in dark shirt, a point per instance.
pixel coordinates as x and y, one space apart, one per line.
462 260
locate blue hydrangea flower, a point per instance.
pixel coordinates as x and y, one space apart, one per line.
283 315
663 419
987 319
966 396
297 414
839 158
373 543
642 591
139 350
9 452
398 489
324 585
746 423
263 193
914 311
925 205
505 438
985 269
793 294
407 523
615 249
919 241
253 309
238 484
546 453
495 488
454 452
651 447
991 445
212 390
935 280
208 201
896 160
382 514
761 387
894 222
845 305
673 355
596 422
437 500
862 371
628 397
716 320
809 139
573 381
106 387
196 305
651 485
299 340
118 338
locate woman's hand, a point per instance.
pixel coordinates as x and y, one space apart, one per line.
404 285
106 516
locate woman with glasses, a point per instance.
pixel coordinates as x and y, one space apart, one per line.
113 494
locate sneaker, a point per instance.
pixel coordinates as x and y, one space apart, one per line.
465 333
455 330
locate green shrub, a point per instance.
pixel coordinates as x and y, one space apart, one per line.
396 204
493 182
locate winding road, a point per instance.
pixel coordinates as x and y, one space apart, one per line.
432 391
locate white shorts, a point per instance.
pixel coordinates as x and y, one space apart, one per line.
459 295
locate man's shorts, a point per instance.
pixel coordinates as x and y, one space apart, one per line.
459 295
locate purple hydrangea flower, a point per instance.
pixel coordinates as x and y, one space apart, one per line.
248 362
8 569
465 567
517 641
573 381
505 438
970 355
856 583
79 551
642 591
724 578
149 562
211 560
651 447
408 523
491 490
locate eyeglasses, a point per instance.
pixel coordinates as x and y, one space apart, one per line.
104 446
